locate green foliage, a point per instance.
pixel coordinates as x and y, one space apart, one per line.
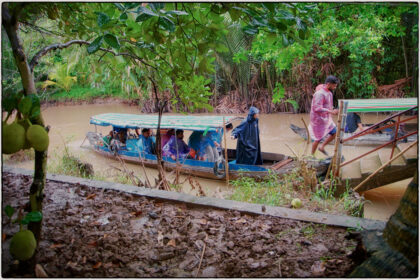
194 92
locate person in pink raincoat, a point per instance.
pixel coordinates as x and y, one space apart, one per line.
321 111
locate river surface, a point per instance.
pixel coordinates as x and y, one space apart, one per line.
69 124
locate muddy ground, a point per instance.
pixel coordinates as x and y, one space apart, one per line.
104 233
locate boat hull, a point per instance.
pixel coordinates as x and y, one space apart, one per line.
207 169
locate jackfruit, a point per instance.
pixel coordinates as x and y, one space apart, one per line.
23 245
12 137
38 137
25 124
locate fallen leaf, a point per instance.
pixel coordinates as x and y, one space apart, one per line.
137 213
71 264
105 235
158 204
40 272
101 209
84 260
241 220
92 244
91 196
57 245
318 268
133 40
108 265
203 221
171 243
160 237
3 236
97 265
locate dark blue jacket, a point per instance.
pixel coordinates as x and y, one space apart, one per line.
248 148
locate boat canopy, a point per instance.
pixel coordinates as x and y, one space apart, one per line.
200 123
380 105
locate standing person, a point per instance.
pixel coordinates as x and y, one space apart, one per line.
248 148
321 110
176 146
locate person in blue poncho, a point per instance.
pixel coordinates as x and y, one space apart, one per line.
145 143
248 148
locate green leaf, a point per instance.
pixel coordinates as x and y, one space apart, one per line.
34 216
119 6
250 30
9 210
10 103
112 41
294 103
269 6
25 105
123 17
302 34
157 6
95 45
35 112
234 13
102 19
177 13
25 220
143 17
167 24
144 10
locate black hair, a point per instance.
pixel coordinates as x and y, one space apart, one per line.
229 126
332 80
179 131
145 130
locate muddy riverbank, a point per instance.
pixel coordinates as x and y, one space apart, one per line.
104 233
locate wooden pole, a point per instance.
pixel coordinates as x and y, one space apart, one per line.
332 166
384 165
226 153
341 127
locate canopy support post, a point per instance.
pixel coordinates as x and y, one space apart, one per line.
226 153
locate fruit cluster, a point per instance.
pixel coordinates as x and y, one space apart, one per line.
21 133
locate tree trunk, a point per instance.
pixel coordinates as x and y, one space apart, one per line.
397 254
10 23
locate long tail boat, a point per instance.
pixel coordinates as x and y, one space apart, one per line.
273 163
380 133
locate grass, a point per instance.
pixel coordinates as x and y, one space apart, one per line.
280 191
78 93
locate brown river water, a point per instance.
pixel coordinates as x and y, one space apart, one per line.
69 124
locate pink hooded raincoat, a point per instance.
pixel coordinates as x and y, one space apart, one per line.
321 121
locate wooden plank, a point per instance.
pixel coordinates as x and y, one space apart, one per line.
384 155
369 164
411 154
351 171
281 164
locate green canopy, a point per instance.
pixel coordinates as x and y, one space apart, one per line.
380 105
189 122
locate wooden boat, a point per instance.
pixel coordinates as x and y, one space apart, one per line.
368 139
272 162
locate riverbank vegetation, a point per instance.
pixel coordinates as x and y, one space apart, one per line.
273 62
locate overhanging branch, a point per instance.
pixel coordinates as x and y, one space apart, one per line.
49 48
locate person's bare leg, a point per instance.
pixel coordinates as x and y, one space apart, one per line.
328 140
314 146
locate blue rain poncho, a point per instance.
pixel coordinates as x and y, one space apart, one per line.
248 149
146 145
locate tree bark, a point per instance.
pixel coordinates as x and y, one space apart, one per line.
10 22
397 255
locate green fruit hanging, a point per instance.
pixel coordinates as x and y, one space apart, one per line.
25 124
13 138
38 137
23 245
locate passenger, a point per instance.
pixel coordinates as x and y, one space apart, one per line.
248 148
107 138
194 142
120 134
164 138
145 143
321 110
176 146
353 123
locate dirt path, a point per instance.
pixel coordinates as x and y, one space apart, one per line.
104 233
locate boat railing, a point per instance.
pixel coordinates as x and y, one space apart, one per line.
372 129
